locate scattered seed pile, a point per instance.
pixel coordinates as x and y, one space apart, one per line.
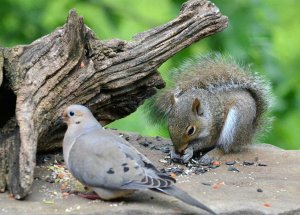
193 167
56 172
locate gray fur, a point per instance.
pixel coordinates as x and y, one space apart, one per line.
220 84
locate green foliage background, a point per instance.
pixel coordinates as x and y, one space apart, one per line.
264 34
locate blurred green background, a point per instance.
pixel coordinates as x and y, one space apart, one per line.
265 34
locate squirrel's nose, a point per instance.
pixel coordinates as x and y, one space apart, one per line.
180 150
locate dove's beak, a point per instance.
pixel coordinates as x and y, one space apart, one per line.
59 121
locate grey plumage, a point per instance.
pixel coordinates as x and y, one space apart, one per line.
108 164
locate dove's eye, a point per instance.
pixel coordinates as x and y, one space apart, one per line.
71 113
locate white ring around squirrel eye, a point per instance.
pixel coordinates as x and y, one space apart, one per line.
190 130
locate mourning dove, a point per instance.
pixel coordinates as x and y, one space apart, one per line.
108 164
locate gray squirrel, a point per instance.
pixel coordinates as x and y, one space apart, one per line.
216 106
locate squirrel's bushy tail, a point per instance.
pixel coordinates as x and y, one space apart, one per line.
213 72
159 106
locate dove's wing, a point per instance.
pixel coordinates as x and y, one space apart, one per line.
100 159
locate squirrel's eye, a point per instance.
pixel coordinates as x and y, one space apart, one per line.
71 113
190 130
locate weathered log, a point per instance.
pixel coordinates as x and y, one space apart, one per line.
70 65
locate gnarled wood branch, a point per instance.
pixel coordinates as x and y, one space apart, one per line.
70 65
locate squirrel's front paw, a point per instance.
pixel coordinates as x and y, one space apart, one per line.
188 154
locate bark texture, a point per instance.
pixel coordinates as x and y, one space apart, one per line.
70 65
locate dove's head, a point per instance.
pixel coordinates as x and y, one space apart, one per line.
78 115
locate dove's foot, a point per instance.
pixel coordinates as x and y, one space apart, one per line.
91 196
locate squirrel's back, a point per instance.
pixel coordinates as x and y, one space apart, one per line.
213 73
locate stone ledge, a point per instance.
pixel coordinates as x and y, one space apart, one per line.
227 192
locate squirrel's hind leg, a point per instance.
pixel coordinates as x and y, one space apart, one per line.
238 128
213 155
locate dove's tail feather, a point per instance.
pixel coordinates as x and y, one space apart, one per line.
183 196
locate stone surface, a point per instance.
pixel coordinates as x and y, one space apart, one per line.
267 182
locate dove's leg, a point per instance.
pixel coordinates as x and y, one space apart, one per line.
90 194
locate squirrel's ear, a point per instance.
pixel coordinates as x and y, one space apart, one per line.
175 95
196 107
173 99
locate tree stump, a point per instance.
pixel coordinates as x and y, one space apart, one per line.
70 65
